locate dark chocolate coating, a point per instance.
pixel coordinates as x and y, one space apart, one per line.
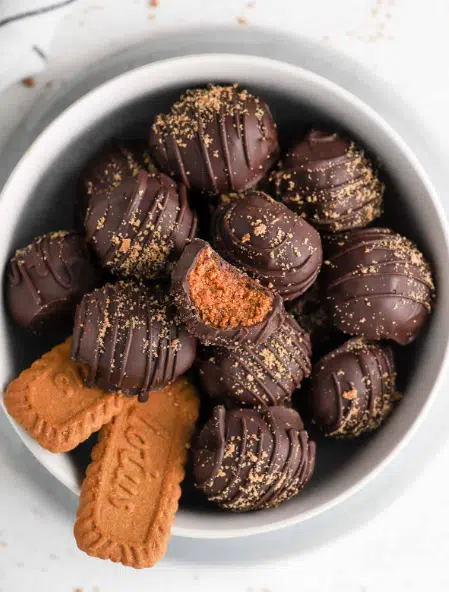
46 280
262 375
114 163
128 338
378 284
310 312
352 388
141 226
209 334
327 179
249 460
216 139
272 244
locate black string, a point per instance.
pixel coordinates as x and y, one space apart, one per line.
19 17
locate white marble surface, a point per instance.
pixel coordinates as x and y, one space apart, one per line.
405 548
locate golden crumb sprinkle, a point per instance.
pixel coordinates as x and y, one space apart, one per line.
198 107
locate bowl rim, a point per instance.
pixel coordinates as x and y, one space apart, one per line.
343 95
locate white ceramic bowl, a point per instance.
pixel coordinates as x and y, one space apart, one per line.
38 198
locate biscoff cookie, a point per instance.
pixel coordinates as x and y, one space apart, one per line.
132 487
50 401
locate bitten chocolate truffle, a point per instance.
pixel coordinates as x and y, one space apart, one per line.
46 280
353 388
129 340
378 284
141 226
216 139
269 242
249 460
259 376
327 179
220 304
114 163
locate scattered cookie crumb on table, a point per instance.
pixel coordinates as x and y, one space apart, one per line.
29 82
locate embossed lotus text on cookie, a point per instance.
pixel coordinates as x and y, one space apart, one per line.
132 487
51 402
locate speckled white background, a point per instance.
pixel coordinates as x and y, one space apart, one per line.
403 549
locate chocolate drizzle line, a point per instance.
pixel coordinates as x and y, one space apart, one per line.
225 147
19 270
205 152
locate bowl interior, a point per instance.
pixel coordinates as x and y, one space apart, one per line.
39 195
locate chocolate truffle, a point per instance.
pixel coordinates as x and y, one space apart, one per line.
46 280
216 139
327 179
249 460
114 163
128 338
220 304
141 226
353 388
259 375
272 244
378 284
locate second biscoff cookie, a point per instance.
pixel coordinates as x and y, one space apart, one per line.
132 487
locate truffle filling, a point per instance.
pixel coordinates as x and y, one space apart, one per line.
225 298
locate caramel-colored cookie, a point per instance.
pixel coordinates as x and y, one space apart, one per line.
51 402
132 487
